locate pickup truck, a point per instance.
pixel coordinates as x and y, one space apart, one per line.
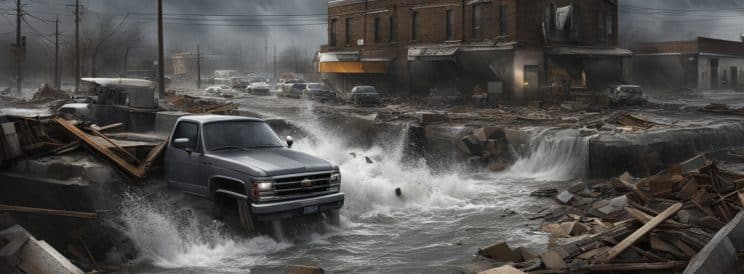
229 158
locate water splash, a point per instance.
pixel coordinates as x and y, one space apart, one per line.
170 237
370 187
551 155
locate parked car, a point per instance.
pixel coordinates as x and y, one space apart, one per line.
320 92
364 95
259 88
219 90
230 159
626 95
293 90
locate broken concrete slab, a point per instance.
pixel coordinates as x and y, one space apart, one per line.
29 255
552 260
501 251
564 197
507 269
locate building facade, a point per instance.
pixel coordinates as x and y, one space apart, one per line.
511 48
699 64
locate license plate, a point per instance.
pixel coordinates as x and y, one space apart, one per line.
310 209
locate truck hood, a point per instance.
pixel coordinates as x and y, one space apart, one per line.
271 162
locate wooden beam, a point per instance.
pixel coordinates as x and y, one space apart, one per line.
741 197
646 228
76 214
122 150
129 168
635 266
645 218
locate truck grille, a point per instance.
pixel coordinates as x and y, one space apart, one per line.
302 185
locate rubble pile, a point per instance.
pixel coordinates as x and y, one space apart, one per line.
200 105
41 136
487 147
723 109
656 223
45 94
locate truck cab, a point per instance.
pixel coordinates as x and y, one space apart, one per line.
226 158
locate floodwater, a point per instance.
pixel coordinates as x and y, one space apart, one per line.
436 226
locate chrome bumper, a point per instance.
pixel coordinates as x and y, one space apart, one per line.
322 203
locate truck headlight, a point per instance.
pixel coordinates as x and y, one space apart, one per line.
335 178
264 186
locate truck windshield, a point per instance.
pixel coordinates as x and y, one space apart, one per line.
240 135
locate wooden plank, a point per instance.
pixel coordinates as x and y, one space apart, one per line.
66 213
129 168
123 151
635 266
646 228
741 197
645 218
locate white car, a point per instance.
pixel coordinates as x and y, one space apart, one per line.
221 90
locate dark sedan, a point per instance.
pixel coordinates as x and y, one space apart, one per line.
320 92
364 95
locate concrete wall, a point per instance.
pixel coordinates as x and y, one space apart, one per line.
724 66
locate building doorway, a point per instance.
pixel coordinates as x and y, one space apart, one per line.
713 73
734 78
531 84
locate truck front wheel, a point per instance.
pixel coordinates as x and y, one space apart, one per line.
233 211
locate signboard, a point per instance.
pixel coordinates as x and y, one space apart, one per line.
360 42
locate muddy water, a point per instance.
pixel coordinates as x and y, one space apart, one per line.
435 227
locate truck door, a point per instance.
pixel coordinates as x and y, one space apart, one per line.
183 162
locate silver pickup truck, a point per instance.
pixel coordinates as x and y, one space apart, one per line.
229 158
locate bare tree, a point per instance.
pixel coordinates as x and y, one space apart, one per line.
105 29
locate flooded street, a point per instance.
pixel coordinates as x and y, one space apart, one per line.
434 227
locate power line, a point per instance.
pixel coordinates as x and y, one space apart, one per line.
234 15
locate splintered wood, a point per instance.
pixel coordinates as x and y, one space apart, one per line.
655 224
128 162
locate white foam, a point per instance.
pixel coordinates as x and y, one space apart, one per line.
170 239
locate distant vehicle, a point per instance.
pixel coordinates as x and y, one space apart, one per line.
626 95
219 90
229 159
318 91
258 88
293 90
225 73
364 95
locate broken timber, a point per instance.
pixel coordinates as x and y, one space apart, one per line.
138 171
651 224
75 214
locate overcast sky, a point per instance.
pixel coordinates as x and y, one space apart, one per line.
227 25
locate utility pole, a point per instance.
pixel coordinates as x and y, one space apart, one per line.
275 80
77 46
266 54
198 67
161 59
20 49
57 83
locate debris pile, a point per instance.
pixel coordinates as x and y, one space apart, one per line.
723 109
45 94
199 105
627 224
486 147
42 136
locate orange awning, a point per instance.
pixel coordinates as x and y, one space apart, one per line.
354 67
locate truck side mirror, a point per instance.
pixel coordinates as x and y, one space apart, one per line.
290 141
183 143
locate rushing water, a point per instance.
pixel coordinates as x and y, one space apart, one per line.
435 227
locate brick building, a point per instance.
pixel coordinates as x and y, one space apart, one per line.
509 47
699 64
